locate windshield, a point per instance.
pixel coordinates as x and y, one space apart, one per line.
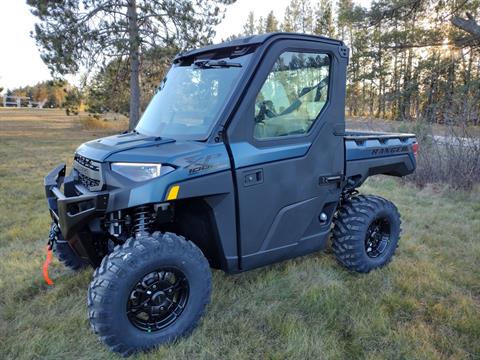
191 97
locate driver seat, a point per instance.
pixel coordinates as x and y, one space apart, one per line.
274 91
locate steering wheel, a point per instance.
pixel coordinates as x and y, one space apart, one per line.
267 110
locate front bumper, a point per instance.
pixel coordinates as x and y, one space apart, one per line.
73 209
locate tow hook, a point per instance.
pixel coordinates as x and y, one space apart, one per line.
52 236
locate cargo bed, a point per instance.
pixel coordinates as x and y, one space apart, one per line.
372 153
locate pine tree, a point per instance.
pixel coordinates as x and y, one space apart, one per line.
77 33
249 27
344 17
260 29
306 17
271 24
288 24
298 17
324 19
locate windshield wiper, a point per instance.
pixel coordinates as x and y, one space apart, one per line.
215 63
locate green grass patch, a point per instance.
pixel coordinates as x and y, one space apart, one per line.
424 305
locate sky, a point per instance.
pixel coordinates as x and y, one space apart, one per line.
20 62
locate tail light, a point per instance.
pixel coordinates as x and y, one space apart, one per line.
415 150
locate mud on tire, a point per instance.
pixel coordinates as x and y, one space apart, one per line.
366 233
120 311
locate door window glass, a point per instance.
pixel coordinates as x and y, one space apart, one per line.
293 95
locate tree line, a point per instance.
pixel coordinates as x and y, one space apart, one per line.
409 59
54 94
91 34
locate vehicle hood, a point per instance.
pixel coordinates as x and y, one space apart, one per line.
101 149
134 147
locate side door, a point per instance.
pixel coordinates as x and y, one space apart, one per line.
287 146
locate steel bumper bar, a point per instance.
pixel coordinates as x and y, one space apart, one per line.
76 206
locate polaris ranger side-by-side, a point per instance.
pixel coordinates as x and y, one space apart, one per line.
240 160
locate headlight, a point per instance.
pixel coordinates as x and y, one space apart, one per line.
140 171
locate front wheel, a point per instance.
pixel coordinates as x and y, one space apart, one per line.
149 291
366 233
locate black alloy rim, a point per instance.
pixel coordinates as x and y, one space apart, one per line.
158 299
377 238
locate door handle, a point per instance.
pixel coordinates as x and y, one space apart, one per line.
253 177
329 179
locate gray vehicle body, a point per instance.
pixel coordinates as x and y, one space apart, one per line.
245 202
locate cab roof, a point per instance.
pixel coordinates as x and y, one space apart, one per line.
254 40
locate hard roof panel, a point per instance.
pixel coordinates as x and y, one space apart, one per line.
253 40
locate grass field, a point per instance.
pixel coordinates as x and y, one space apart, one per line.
424 305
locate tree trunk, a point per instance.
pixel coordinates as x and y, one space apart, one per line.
134 64
381 79
407 87
395 78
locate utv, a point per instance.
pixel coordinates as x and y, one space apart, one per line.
240 160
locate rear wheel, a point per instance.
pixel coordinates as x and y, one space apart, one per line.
366 233
64 252
149 291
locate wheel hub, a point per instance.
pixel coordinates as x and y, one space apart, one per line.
377 237
158 299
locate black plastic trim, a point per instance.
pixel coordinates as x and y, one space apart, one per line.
72 213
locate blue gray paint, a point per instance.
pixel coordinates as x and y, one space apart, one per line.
364 149
205 161
245 154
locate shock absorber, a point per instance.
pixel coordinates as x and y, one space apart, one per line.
115 223
142 218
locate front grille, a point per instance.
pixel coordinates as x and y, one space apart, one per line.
89 172
88 182
88 163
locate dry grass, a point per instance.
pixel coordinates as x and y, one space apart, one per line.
92 123
447 155
424 305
